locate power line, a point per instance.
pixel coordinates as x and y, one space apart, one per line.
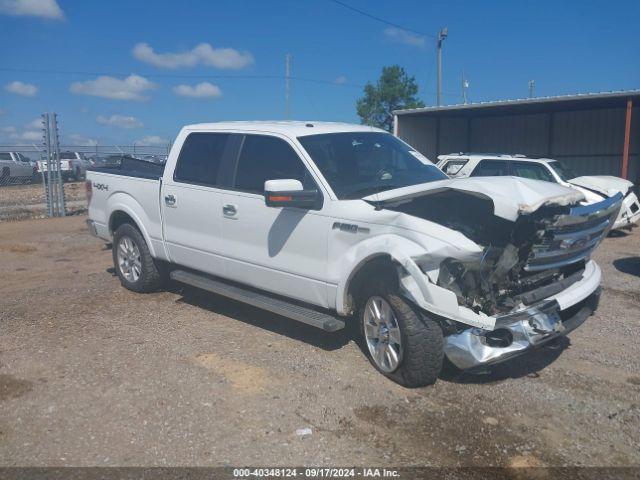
178 75
382 20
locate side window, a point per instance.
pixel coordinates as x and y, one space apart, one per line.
491 168
535 171
268 158
200 158
452 167
5 156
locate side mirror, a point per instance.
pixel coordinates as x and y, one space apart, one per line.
290 193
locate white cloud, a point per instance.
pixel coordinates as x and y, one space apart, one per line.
152 141
402 36
21 88
35 124
77 139
120 121
35 8
129 88
340 80
202 54
31 135
201 90
27 135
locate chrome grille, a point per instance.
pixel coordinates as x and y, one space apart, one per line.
573 236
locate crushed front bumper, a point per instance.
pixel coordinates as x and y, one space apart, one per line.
532 327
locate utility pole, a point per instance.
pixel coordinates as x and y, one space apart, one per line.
441 36
287 86
532 87
465 86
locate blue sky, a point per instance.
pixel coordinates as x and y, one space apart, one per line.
54 51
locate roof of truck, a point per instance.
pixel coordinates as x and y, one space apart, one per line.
294 128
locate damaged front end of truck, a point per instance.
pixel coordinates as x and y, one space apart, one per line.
531 278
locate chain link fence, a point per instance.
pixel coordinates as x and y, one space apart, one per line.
25 189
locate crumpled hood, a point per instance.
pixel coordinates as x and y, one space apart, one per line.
604 184
511 196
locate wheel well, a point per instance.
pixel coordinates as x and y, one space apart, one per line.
120 218
380 267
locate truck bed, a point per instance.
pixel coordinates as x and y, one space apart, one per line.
132 167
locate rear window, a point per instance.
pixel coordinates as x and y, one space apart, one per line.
200 158
491 168
68 156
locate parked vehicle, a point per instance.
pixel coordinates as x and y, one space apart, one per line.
594 187
73 166
15 167
327 223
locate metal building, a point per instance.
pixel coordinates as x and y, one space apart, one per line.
595 133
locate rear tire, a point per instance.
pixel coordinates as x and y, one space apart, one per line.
134 265
420 349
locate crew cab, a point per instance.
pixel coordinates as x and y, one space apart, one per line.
73 166
14 166
594 187
328 223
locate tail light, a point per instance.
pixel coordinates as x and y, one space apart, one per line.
89 190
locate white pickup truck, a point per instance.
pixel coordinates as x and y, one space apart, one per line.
73 166
328 223
14 166
593 187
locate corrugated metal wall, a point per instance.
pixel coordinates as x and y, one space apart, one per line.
589 141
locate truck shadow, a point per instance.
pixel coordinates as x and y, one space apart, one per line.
630 265
256 317
527 365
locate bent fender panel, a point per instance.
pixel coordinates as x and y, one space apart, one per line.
415 284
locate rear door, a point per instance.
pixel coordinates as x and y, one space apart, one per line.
283 250
190 202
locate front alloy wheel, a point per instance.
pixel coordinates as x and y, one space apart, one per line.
382 334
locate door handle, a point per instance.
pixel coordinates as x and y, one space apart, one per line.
229 210
170 200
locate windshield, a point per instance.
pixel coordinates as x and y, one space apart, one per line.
357 164
564 172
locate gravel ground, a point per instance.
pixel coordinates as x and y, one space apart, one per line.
19 202
92 374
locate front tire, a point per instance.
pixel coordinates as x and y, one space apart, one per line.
401 343
134 265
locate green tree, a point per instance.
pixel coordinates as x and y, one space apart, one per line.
395 90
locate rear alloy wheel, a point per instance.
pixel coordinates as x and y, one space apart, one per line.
129 259
135 266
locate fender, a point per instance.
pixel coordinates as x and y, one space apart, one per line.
121 201
415 285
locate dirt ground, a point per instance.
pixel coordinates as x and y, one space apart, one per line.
92 374
19 202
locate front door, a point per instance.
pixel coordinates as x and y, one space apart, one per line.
283 250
